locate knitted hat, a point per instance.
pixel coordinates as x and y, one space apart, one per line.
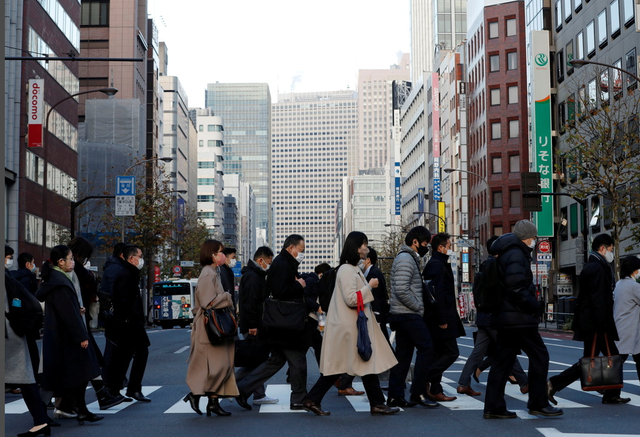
525 229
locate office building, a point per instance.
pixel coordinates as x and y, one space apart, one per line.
246 205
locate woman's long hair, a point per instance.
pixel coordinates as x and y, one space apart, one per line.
350 252
57 253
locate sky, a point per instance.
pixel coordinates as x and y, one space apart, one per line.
293 45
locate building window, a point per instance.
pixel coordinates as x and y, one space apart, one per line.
493 30
514 164
514 128
200 128
34 168
515 197
511 27
592 96
495 97
569 57
628 12
631 67
200 143
615 18
602 28
95 13
512 61
580 45
617 78
496 131
494 63
496 164
604 86
560 65
558 11
496 199
497 230
513 94
591 39
33 229
577 5
567 10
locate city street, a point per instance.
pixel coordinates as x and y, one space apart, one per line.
167 415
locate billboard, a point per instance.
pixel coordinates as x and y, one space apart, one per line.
35 112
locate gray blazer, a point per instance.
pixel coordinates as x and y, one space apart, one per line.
406 283
626 312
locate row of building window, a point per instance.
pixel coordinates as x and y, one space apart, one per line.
57 69
56 234
514 164
496 129
564 10
512 62
64 22
510 28
211 128
515 197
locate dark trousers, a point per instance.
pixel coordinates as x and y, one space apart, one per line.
345 381
243 372
121 357
572 374
411 332
33 401
279 356
446 352
371 385
509 343
636 358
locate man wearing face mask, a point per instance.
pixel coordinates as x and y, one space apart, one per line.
126 329
594 315
405 317
226 273
26 273
516 326
442 318
380 304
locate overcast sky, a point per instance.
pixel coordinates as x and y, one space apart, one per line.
293 45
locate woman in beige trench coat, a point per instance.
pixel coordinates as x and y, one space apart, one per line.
339 346
211 371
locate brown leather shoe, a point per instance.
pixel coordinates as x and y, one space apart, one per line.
383 410
350 392
524 389
467 390
441 397
309 405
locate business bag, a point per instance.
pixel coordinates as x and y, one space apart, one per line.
601 373
364 341
220 324
284 314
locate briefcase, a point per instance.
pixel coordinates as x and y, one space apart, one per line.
601 373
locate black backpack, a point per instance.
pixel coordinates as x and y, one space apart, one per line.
325 287
488 287
25 311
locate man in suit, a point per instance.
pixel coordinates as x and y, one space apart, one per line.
126 329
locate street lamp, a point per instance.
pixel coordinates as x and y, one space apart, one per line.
580 62
444 223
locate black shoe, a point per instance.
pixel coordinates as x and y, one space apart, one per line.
241 399
550 392
316 409
194 401
46 430
423 400
502 415
138 396
383 410
400 402
297 407
213 406
88 417
53 423
547 411
109 401
616 400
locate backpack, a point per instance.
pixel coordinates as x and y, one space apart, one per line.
325 287
25 311
488 288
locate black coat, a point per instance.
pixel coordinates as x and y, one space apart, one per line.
65 363
594 305
380 304
127 326
445 310
520 308
282 284
228 285
111 270
251 295
26 278
88 290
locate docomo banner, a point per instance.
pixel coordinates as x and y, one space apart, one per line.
34 112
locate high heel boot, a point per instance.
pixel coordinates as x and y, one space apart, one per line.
194 401
214 407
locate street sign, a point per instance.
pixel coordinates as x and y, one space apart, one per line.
237 269
125 205
544 246
543 257
125 185
186 263
176 270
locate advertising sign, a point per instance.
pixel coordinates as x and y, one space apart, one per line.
435 128
35 112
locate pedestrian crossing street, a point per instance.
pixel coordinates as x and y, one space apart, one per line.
360 403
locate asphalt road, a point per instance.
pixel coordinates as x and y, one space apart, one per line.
167 415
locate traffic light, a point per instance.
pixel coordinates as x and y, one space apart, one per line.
530 185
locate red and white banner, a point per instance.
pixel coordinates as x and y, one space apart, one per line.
34 112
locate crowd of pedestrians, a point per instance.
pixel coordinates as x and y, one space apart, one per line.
419 306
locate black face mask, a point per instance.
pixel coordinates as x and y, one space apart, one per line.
422 250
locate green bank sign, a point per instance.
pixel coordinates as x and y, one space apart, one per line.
541 128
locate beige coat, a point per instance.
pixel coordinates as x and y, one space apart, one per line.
339 346
210 367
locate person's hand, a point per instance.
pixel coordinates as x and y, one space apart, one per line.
373 283
301 281
443 326
82 311
253 331
319 310
84 344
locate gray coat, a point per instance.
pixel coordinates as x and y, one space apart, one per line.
626 312
17 364
406 283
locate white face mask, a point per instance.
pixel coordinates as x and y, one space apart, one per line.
532 245
636 275
87 264
34 268
609 256
140 264
232 263
449 252
300 257
9 263
264 269
361 265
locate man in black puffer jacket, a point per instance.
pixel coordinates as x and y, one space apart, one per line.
517 327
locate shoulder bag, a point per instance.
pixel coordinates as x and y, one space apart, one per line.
364 342
284 314
220 324
601 373
428 289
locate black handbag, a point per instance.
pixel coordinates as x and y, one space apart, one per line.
428 289
364 342
601 373
220 324
284 314
251 352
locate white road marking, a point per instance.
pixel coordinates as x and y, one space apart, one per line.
635 399
281 392
146 390
552 432
182 349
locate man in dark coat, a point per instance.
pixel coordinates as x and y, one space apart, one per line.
284 283
25 274
126 329
380 304
252 293
442 318
516 326
594 316
226 274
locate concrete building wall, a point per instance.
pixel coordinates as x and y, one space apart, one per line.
210 183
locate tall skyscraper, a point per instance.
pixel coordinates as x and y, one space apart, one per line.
245 109
312 136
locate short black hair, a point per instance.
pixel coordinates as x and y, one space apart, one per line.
602 240
350 252
292 240
229 250
118 248
8 250
130 250
81 248
322 268
419 233
373 256
628 265
24 258
490 241
262 252
440 239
